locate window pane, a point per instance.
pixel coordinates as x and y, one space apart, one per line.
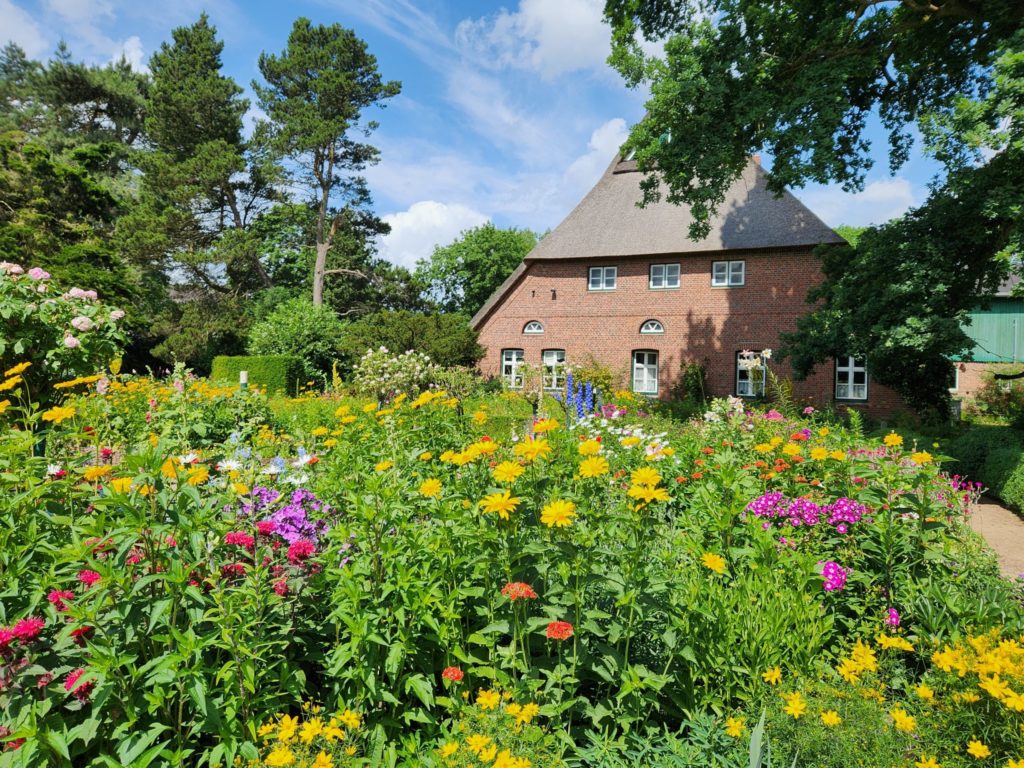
596 275
657 275
860 391
736 269
672 275
609 277
842 392
719 274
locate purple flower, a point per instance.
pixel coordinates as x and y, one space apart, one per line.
893 618
808 410
835 576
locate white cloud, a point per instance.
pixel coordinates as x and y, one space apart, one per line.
550 38
603 146
877 203
133 51
19 27
426 224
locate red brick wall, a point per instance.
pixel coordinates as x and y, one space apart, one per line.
702 324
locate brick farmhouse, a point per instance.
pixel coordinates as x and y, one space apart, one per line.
627 287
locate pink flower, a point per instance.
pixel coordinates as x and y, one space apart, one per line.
11 269
71 342
102 386
57 598
28 629
88 577
36 273
82 323
80 635
7 637
835 576
240 539
80 691
808 410
266 527
281 587
117 314
892 617
299 551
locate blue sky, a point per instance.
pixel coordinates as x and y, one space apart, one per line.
508 112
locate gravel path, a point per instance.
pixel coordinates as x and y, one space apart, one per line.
1003 531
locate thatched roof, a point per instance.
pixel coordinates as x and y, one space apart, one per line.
608 223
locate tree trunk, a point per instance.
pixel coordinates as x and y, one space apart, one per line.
319 269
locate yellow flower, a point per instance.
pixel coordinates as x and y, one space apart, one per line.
121 484
1015 764
323 760
531 450
976 749
310 730
19 368
594 466
330 443
527 713
763 448
795 705
645 476
320 432
838 455
629 442
772 676
477 743
198 476
369 408
589 448
350 719
819 454
431 488
480 418
892 440
4 405
647 493
287 728
95 473
921 457
558 513
902 720
791 449
830 718
994 687
348 419
58 414
776 441
734 726
507 471
927 762
448 749
342 411
267 729
488 755
10 383
281 756
713 562
500 504
823 431
240 488
544 425
924 692
383 466
488 699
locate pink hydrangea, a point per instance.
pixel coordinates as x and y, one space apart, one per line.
71 342
78 293
82 323
11 269
37 273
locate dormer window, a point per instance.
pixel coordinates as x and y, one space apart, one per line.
533 327
652 326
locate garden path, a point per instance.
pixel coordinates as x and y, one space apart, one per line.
1004 532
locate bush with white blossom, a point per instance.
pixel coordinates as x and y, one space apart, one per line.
384 375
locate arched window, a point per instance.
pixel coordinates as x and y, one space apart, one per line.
533 327
652 326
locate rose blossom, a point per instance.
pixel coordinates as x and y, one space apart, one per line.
71 342
82 323
37 273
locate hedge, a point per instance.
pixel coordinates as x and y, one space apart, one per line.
275 373
993 456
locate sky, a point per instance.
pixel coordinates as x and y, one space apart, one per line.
508 112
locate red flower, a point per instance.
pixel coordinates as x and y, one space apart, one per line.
58 596
265 527
241 539
28 629
231 570
454 674
80 635
88 577
79 691
281 587
707 450
170 541
559 630
300 550
135 556
697 475
6 638
796 437
517 590
106 453
681 479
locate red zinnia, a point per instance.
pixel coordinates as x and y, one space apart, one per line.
58 596
299 551
559 630
88 577
453 673
240 538
517 590
28 629
82 691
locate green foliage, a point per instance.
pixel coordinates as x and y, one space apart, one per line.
446 339
700 741
300 329
197 331
272 373
462 275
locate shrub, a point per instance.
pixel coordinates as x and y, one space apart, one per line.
274 373
300 329
446 339
383 375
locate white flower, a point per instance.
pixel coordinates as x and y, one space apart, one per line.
71 342
189 458
767 354
229 465
272 469
711 416
82 323
51 469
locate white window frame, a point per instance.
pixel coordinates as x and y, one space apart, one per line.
728 274
745 385
553 371
652 326
533 327
512 362
848 365
643 361
602 282
660 277
956 378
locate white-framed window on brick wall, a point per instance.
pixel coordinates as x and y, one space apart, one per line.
652 326
664 276
751 372
533 327
851 379
512 368
645 372
553 361
728 274
602 278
